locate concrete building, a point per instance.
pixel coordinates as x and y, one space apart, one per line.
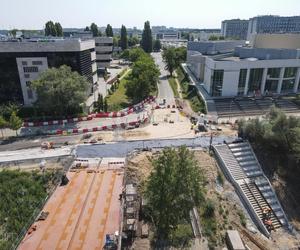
104 49
204 35
246 70
166 35
23 61
273 24
235 28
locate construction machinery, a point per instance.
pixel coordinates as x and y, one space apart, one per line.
47 145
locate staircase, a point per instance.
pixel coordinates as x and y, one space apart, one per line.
240 164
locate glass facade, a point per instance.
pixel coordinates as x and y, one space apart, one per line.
273 72
217 82
288 86
271 86
10 87
255 79
242 81
290 72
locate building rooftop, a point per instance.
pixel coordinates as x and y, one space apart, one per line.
46 45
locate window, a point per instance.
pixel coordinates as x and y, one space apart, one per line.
30 93
24 63
271 86
290 72
30 69
37 63
273 72
288 86
255 79
242 81
28 83
217 83
27 75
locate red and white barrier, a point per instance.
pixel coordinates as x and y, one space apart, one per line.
99 128
120 113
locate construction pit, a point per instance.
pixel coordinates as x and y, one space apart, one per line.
230 213
85 212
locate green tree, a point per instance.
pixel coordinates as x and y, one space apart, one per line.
50 29
132 41
59 30
15 122
95 30
105 106
116 41
169 57
124 38
99 104
13 32
60 91
147 38
157 45
87 28
143 78
109 31
174 187
3 124
213 38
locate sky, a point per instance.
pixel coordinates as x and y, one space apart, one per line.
33 14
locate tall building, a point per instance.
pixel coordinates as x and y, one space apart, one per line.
104 48
235 28
273 24
23 61
270 66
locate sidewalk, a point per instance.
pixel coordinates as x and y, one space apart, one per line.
209 101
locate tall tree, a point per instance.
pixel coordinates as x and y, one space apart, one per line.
95 30
87 28
105 105
60 91
15 122
99 104
109 31
157 45
59 30
50 29
169 57
174 187
124 38
3 124
147 38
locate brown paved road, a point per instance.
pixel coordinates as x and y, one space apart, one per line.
80 213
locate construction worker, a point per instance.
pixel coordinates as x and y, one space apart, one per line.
269 224
266 213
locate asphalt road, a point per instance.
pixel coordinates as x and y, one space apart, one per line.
114 149
122 148
164 89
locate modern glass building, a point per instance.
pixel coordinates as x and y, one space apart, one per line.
246 70
22 61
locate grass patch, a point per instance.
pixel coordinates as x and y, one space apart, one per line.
181 237
173 85
242 218
22 196
209 222
118 99
190 93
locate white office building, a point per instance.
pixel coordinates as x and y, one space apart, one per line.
104 49
269 65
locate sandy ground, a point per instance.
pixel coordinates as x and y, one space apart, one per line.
227 204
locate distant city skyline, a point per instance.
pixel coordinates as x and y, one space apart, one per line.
33 14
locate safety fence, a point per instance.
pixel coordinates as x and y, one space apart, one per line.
121 113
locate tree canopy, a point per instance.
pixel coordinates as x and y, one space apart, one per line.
143 77
173 57
132 41
95 30
109 31
157 45
174 187
53 29
147 38
60 91
124 38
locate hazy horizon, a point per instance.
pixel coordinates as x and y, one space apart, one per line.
22 14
